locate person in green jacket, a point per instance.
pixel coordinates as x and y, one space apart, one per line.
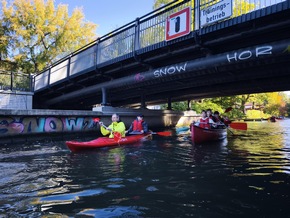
115 126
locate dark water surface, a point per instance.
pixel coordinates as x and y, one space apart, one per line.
247 175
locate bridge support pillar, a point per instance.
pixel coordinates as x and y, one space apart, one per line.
143 102
188 105
104 97
169 104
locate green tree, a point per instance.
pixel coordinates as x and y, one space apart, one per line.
4 44
287 107
39 34
265 105
276 104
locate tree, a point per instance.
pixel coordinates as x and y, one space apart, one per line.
276 104
39 34
287 107
4 44
239 7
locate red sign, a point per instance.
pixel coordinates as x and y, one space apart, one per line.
178 24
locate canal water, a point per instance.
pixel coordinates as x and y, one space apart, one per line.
246 175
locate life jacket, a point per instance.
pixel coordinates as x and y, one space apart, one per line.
204 123
137 125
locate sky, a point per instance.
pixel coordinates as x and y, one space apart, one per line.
109 15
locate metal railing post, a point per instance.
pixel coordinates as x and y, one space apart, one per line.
97 52
31 82
197 14
137 35
48 76
68 67
11 81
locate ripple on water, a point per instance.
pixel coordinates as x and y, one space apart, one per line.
152 189
52 200
11 173
121 211
248 174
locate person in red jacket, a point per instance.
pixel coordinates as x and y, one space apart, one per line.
205 121
138 126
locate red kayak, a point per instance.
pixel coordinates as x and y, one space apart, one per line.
200 135
100 142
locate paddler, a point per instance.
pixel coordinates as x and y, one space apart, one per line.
116 126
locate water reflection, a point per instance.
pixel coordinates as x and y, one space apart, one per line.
264 149
244 175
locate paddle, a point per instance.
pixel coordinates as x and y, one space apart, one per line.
228 109
236 125
225 126
117 135
239 126
165 133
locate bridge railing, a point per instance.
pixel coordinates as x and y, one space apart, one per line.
144 32
142 35
12 81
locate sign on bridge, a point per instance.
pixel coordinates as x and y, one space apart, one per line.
216 12
178 24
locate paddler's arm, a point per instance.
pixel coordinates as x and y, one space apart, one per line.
105 131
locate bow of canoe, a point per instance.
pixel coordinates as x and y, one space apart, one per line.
201 135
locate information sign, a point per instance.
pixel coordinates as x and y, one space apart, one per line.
216 12
178 24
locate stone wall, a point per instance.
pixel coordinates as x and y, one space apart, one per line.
15 100
27 123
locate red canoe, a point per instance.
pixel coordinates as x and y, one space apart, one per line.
200 135
100 142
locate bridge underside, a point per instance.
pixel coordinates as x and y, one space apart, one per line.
244 77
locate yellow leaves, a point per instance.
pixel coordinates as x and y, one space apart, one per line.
242 7
42 32
256 114
274 98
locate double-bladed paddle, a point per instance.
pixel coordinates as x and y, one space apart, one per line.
237 125
117 135
228 109
164 133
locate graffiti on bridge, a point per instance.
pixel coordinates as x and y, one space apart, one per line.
23 125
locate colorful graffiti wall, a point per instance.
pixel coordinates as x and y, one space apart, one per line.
29 124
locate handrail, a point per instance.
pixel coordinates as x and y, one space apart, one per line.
15 81
110 34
